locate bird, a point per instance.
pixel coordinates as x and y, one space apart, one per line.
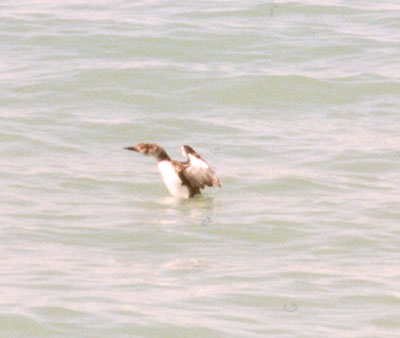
182 179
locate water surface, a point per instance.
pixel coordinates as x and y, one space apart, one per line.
294 104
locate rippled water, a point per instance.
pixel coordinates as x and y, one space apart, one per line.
295 105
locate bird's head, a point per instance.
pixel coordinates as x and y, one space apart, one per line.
150 149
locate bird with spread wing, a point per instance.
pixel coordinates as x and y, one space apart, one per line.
182 179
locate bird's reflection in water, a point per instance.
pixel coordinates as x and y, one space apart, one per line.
196 210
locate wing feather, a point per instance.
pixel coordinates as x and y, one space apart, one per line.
197 171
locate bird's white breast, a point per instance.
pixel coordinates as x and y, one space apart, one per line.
172 180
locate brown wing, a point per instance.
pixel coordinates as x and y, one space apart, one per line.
197 171
200 177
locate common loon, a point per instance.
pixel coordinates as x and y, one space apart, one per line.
182 179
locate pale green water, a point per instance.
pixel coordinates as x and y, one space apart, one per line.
295 104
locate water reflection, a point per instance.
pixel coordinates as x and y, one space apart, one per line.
196 210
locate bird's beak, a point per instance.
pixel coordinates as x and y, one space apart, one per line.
131 148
